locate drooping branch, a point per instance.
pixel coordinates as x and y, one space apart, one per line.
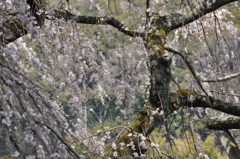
222 78
79 156
99 21
224 123
190 66
14 28
37 8
198 78
197 10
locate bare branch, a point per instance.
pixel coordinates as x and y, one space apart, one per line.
191 68
15 29
99 21
197 10
222 78
224 123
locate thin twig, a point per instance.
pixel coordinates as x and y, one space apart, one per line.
221 79
119 134
118 127
191 68
160 153
61 139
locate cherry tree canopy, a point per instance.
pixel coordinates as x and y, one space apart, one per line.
39 126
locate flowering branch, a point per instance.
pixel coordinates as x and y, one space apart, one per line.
62 140
107 130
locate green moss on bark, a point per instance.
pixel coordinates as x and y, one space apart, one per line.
132 134
156 40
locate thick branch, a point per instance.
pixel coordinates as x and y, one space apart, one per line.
151 117
193 99
15 29
197 10
224 123
98 20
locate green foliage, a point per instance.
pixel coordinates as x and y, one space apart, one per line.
210 150
186 146
234 15
8 157
109 124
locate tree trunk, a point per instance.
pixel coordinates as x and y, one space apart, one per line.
153 113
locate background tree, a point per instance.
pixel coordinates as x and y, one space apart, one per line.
62 72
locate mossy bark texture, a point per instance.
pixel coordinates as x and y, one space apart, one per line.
151 114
